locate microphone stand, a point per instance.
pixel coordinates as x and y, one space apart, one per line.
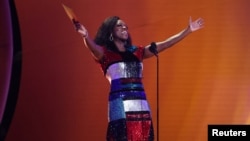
157 94
153 49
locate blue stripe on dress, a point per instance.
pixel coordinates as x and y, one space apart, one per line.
116 109
129 86
119 85
126 95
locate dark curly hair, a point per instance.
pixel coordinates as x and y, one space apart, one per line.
102 37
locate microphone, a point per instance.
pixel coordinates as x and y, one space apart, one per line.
153 49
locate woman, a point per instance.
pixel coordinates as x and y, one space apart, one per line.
121 62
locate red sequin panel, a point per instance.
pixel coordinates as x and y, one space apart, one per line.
138 127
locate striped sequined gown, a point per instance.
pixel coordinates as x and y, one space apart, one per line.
128 112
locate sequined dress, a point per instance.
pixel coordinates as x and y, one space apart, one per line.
128 109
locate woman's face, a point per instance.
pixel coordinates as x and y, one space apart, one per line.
121 30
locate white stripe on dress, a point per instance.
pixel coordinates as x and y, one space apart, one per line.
136 105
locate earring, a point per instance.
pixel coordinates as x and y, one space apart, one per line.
111 37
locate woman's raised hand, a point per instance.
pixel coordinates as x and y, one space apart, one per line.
81 29
196 25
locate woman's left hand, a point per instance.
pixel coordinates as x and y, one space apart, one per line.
196 25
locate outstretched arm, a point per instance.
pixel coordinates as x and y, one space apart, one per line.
160 46
95 49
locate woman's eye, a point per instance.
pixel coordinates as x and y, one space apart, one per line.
121 26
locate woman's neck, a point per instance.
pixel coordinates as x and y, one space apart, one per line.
120 45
